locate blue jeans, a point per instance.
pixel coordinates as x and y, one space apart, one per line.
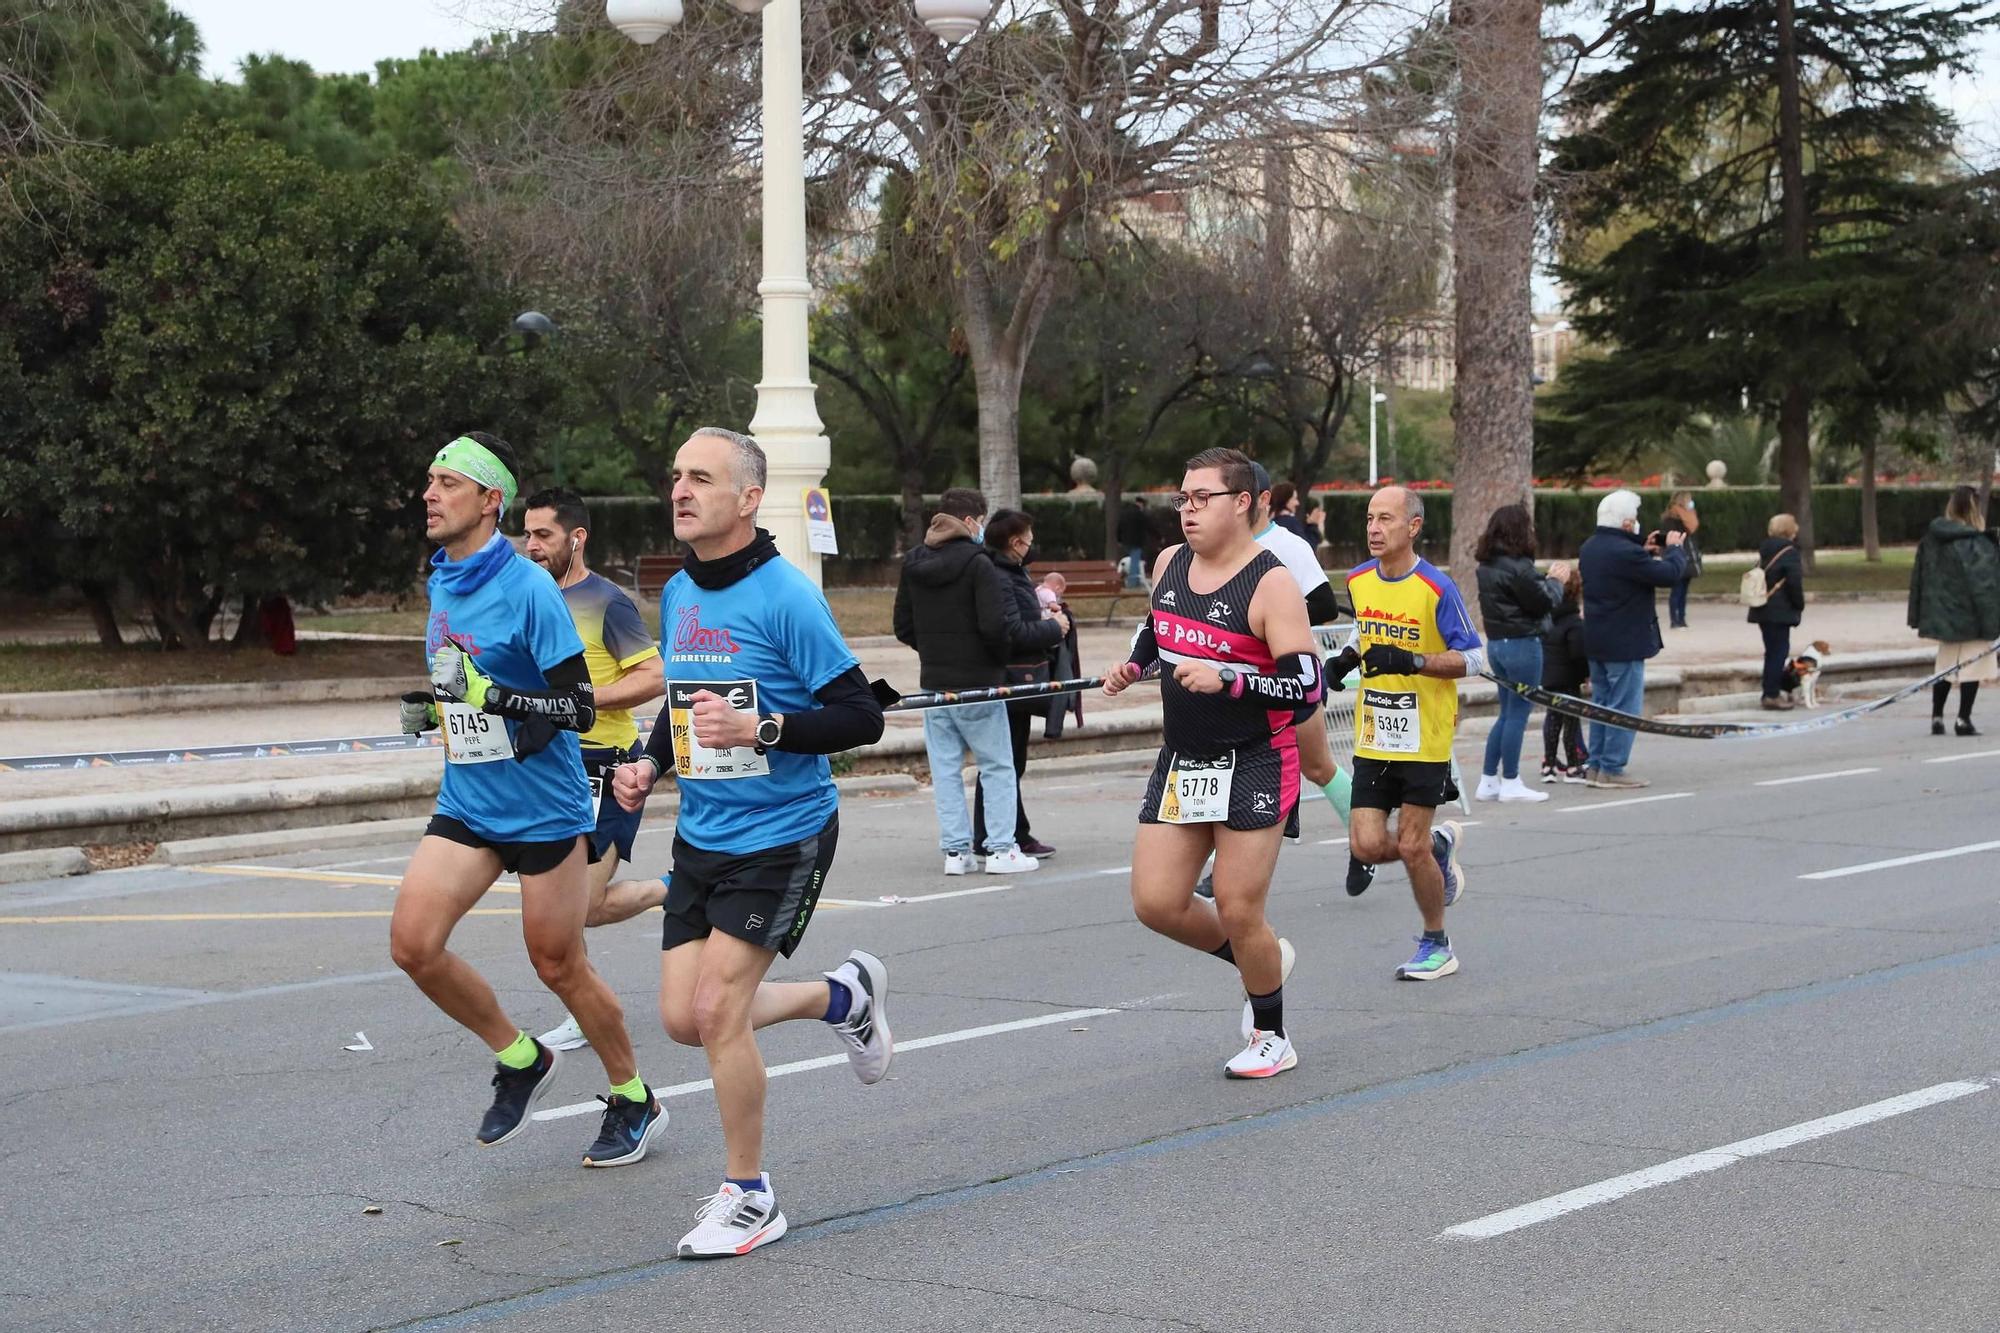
1135 566
1515 660
948 734
1677 602
1619 685
1777 656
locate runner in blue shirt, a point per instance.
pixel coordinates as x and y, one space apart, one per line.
760 690
511 690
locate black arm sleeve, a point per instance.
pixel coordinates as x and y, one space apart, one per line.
569 704
848 717
1293 683
1321 608
1145 646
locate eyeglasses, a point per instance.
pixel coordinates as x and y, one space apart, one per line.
1199 499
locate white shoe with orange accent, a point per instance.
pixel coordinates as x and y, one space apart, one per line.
734 1222
1268 1055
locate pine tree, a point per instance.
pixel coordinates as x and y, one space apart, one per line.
1763 165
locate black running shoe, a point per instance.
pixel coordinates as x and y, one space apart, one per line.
1963 726
1206 888
1359 876
515 1092
629 1129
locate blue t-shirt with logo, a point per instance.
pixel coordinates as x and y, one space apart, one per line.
771 627
508 615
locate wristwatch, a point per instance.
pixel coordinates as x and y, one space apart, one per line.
1229 677
769 728
1420 664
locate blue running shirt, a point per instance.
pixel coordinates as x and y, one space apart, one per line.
770 630
515 625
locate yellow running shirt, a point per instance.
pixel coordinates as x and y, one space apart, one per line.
1410 718
615 640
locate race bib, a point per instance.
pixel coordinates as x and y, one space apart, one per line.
596 790
1388 722
694 761
473 737
1197 790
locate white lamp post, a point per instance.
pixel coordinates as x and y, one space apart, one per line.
1374 398
786 422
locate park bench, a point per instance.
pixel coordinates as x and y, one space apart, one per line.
652 572
1090 578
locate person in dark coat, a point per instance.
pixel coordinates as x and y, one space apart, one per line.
1009 535
1680 517
1133 531
1955 600
1515 602
1621 624
954 609
1784 607
1565 669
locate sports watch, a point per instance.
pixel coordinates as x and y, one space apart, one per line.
769 728
1231 679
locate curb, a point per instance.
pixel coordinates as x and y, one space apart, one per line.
42 863
78 705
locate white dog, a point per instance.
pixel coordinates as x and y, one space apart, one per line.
1802 673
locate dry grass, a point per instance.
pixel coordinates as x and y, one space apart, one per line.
28 668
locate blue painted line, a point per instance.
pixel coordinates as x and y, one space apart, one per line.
620 1279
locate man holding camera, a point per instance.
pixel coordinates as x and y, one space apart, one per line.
1621 625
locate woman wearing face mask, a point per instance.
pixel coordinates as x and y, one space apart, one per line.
1008 537
1680 517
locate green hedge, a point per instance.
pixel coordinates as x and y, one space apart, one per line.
1732 519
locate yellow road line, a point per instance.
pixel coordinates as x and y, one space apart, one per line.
318 876
132 918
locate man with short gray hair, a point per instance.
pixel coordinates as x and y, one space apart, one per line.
1621 624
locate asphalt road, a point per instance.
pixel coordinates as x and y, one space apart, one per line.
188 1145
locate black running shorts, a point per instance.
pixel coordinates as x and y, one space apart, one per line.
617 827
1264 790
765 898
520 858
1389 784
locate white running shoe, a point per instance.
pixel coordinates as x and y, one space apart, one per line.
1513 789
957 863
733 1222
1287 955
865 1030
1013 861
1489 787
1267 1056
564 1036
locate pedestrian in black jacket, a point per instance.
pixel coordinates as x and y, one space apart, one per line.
954 609
1009 535
1621 627
1565 669
1133 530
1515 601
1955 600
1784 607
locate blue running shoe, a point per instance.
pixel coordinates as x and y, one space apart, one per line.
629 1129
1433 959
1444 846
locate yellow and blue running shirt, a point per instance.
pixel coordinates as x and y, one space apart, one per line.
1411 718
615 640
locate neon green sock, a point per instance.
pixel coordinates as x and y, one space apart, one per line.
1339 791
632 1090
520 1052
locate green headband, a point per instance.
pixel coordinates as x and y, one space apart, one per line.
469 458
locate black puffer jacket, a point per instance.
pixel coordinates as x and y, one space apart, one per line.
1037 637
953 608
1785 578
1515 599
1955 585
1565 664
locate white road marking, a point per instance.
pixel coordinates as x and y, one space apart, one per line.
1960 758
1843 871
1116 870
1694 1164
1331 842
828 1061
1816 777
1629 800
952 893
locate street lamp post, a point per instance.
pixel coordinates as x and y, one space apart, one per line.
787 422
1374 398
